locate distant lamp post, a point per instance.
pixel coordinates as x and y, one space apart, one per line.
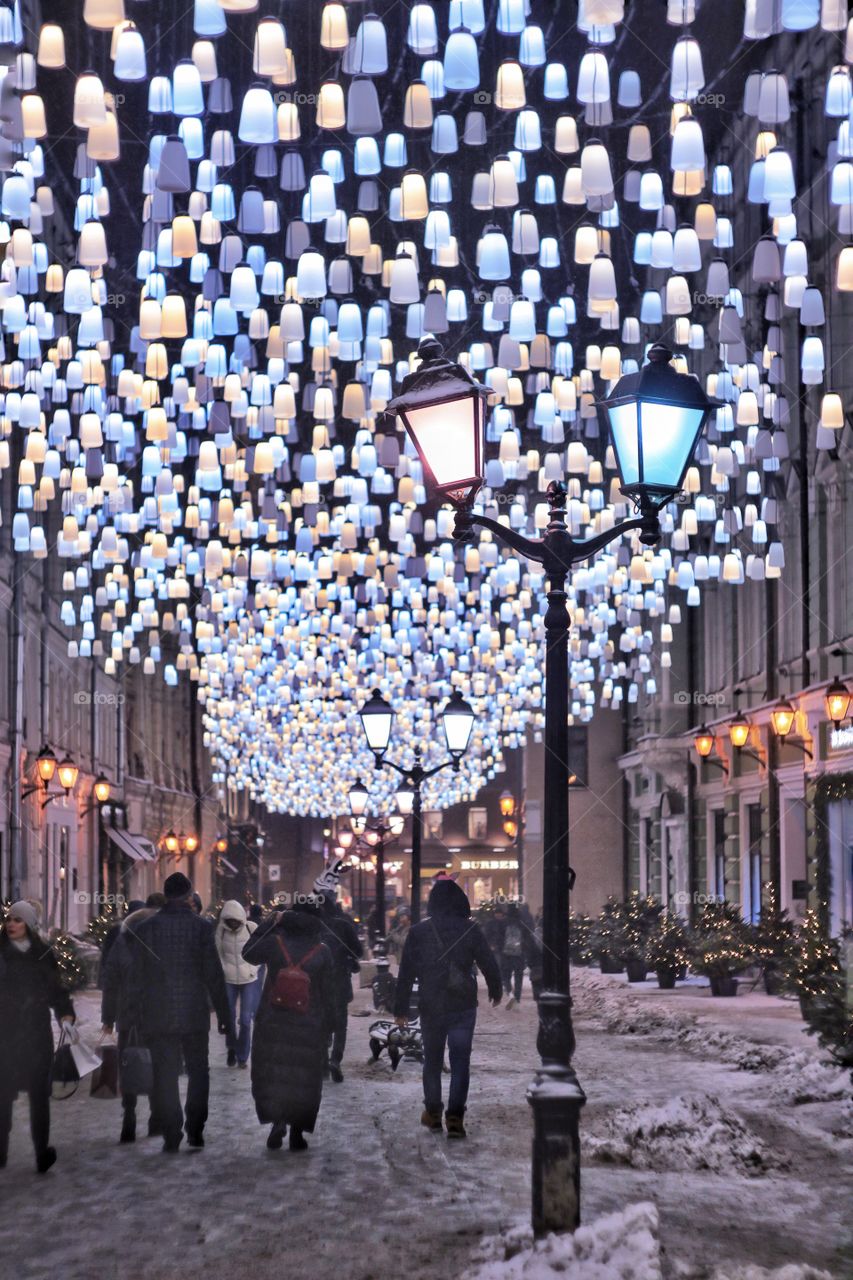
739 730
443 411
458 720
358 797
510 829
171 843
704 742
836 700
222 845
67 772
191 843
46 763
507 804
783 717
102 789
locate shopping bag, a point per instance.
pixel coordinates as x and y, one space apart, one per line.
85 1059
105 1076
135 1069
64 1076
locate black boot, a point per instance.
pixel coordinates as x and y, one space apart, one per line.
297 1141
45 1159
276 1136
335 1073
128 1128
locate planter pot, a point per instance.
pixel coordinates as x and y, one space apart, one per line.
636 970
773 982
608 964
681 973
725 987
666 976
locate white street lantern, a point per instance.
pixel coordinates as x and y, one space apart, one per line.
443 409
654 418
376 720
458 720
358 797
405 800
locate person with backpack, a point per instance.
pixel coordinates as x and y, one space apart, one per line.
440 954
513 953
293 1023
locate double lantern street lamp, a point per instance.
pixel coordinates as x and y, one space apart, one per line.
66 772
654 419
377 717
376 835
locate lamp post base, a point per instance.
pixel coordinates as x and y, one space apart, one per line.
556 1098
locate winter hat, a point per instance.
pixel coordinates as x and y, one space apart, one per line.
177 887
447 899
327 883
26 912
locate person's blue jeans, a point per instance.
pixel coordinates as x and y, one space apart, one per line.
456 1030
248 995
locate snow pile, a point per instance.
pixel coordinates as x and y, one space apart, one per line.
683 1133
798 1075
620 1246
793 1271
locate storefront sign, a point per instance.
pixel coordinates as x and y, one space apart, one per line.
493 864
841 739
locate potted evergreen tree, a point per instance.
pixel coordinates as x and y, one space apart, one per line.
668 949
580 938
640 916
774 936
722 945
607 937
815 959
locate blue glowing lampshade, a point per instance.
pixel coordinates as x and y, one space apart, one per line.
654 419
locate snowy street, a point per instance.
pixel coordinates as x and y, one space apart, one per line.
743 1142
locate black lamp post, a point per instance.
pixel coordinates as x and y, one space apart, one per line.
654 419
376 835
458 720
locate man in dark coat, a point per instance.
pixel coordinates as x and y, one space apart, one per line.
111 937
440 953
30 988
116 1007
341 937
289 1047
176 976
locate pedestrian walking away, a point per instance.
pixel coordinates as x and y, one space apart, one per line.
30 990
340 935
175 978
233 931
294 1020
440 954
116 1005
513 956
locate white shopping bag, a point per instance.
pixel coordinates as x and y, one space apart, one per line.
85 1059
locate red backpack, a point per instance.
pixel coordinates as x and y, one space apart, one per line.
290 988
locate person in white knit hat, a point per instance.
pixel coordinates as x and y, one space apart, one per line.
30 988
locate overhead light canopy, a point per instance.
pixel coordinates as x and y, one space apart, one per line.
377 717
654 419
836 700
458 720
443 410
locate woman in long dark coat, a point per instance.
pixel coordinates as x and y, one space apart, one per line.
30 987
289 1045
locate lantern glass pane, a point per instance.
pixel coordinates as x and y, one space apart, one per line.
457 729
623 425
377 729
669 431
446 435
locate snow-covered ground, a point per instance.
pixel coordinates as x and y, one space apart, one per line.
717 1146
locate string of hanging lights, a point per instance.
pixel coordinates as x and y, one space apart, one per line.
311 194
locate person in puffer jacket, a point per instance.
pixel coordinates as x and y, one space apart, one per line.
232 933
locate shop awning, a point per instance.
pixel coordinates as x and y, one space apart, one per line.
137 848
